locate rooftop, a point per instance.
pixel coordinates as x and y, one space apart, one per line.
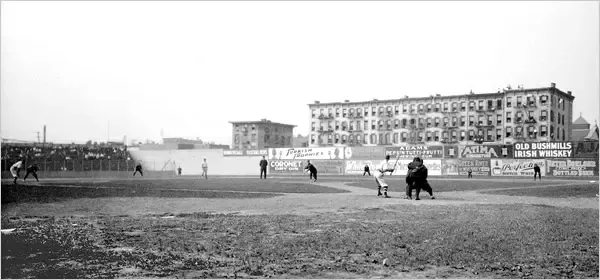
263 121
567 95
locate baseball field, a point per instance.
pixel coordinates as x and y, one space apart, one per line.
337 227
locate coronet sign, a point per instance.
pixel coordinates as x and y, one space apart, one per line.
285 165
543 150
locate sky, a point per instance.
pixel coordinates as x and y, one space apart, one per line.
102 70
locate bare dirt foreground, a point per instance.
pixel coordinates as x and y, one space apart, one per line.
343 232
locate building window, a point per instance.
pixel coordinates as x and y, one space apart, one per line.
337 112
344 139
518 131
404 123
358 112
313 126
397 110
388 124
437 107
489 135
498 119
412 108
373 125
463 121
498 134
463 106
563 120
445 135
445 106
480 121
403 138
404 108
508 117
314 113
508 132
532 132
436 136
337 125
480 105
518 117
380 124
429 107
454 121
543 131
472 105
429 122
420 108
396 124
454 135
373 111
344 126
490 121
366 111
471 135
365 138
396 138
462 135
312 138
509 102
330 112
498 104
490 105
544 99
345 113
366 125
563 135
454 107
437 122
519 101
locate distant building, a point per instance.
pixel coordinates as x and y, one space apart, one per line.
261 134
582 130
300 141
505 117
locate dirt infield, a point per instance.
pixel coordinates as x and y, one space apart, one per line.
354 199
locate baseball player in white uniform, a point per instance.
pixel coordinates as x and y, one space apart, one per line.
15 168
380 171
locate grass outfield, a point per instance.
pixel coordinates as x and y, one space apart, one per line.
50 191
366 238
460 184
587 190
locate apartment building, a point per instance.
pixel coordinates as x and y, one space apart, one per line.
261 134
504 117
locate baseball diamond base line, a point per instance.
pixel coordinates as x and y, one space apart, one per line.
357 199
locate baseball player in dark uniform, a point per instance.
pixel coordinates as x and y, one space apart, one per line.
263 167
32 169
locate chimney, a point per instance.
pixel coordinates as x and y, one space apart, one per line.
375 99
406 96
317 102
552 85
438 95
568 92
45 130
346 100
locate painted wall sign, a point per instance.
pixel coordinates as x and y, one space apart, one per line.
543 150
307 153
422 151
516 167
479 167
575 167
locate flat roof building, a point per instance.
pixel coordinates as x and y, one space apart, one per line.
503 117
261 134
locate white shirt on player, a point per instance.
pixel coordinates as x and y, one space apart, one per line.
17 165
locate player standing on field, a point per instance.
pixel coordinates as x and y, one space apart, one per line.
536 172
32 169
138 168
379 174
15 168
205 169
263 167
312 169
367 170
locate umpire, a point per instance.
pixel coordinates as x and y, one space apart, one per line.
263 167
416 178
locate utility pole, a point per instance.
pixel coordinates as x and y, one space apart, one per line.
38 136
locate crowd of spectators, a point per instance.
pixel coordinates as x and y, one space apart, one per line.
13 152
